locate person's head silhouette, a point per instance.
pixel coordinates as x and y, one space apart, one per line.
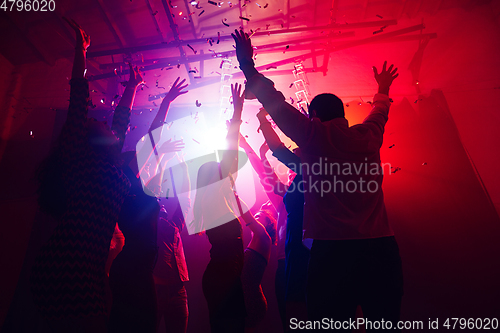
326 107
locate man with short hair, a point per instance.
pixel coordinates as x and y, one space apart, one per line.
354 257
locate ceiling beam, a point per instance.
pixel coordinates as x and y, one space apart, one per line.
179 43
177 38
108 22
153 15
46 57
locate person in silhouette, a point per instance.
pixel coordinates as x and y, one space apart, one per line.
214 213
354 257
134 306
82 185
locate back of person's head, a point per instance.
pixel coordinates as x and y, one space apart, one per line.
326 107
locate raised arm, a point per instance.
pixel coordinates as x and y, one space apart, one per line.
174 92
161 116
121 116
291 121
268 178
229 162
380 112
385 78
74 132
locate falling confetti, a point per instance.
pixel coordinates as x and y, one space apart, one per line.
286 48
379 16
266 5
198 104
196 141
425 163
227 25
291 100
391 145
244 18
218 37
291 85
271 67
201 12
191 48
212 3
396 169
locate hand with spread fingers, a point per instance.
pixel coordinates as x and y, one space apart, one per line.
82 39
238 99
176 90
244 50
135 78
385 77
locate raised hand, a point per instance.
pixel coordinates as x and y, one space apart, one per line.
385 77
176 90
238 99
171 146
135 78
244 50
82 39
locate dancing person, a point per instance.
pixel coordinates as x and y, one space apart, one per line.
171 271
354 257
275 191
221 281
131 276
83 187
296 254
257 254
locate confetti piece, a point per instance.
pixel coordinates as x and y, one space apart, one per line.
198 104
379 16
227 25
218 37
178 66
244 18
116 96
286 48
191 48
196 141
425 163
347 105
155 13
212 3
209 40
201 12
378 31
133 128
391 145
271 67
291 100
266 5
396 169
291 85
192 71
267 26
103 100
